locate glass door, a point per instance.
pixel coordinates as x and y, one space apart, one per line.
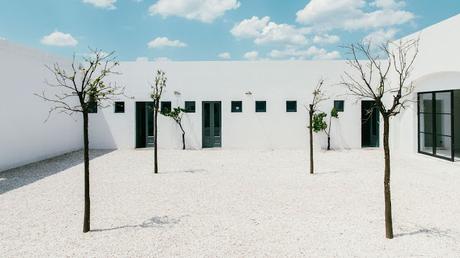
212 119
435 124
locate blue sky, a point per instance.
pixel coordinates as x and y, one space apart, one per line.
214 29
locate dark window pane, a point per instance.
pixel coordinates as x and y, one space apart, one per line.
444 146
426 123
443 102
165 106
149 108
216 116
443 124
207 120
291 106
190 106
119 107
426 103
237 106
92 107
426 143
339 105
261 106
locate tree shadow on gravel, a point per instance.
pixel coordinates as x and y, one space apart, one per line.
21 176
431 232
191 171
154 222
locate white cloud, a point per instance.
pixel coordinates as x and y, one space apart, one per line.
165 42
2 38
142 59
59 39
105 4
326 39
380 36
162 59
353 14
225 55
253 55
388 4
201 10
263 31
302 54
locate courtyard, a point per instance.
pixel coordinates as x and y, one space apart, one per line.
231 203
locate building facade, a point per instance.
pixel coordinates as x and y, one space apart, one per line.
236 104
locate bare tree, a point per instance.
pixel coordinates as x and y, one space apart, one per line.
372 81
176 114
157 91
81 88
318 97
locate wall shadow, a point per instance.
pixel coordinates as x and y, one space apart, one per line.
21 176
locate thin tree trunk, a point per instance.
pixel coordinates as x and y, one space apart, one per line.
328 142
386 182
86 216
155 139
311 139
183 136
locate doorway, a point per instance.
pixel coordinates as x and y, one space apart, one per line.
144 125
437 124
370 124
212 124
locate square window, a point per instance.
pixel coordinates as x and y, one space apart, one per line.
165 106
291 106
190 107
119 107
339 105
237 106
92 107
261 106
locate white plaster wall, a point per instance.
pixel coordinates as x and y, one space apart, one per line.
274 82
25 137
436 68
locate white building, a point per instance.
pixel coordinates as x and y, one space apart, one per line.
257 104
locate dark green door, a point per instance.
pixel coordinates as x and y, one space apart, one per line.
144 124
370 121
212 124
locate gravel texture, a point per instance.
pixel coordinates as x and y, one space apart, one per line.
231 203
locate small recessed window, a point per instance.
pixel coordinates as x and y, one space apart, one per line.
190 106
237 106
261 106
92 107
291 106
165 106
119 107
339 105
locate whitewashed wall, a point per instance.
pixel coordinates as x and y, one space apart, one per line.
437 68
24 136
274 82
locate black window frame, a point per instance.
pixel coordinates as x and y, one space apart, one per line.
433 125
261 109
190 106
237 106
289 108
119 109
338 103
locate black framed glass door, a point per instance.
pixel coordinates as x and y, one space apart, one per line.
212 120
436 124
370 124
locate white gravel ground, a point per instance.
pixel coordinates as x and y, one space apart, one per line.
231 203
